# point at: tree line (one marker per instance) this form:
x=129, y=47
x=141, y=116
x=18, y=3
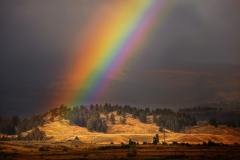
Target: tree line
x=229, y=123
x=36, y=134
x=223, y=115
x=197, y=109
x=174, y=121
x=90, y=118
x=14, y=125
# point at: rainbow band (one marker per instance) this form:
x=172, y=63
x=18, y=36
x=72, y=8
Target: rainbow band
x=108, y=44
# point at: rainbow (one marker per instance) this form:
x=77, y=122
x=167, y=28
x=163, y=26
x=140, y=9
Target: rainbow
x=107, y=43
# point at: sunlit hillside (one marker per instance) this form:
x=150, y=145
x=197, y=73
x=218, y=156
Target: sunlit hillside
x=60, y=130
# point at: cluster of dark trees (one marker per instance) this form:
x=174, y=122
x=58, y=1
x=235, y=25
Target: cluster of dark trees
x=223, y=116
x=35, y=134
x=229, y=123
x=27, y=124
x=90, y=116
x=213, y=122
x=82, y=116
x=14, y=125
x=198, y=109
x=7, y=124
x=174, y=121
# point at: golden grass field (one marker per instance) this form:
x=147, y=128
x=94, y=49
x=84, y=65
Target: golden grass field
x=73, y=149
x=62, y=144
x=140, y=132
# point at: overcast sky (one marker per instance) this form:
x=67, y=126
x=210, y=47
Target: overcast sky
x=192, y=58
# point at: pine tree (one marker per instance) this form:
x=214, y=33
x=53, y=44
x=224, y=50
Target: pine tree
x=112, y=118
x=156, y=139
x=104, y=126
x=123, y=118
x=143, y=118
x=213, y=122
x=134, y=114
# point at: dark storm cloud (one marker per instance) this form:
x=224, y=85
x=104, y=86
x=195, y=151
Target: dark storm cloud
x=35, y=41
x=198, y=31
x=191, y=58
x=179, y=87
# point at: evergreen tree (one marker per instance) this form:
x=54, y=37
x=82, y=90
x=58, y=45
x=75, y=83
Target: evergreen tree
x=154, y=118
x=213, y=122
x=104, y=126
x=107, y=117
x=15, y=120
x=123, y=118
x=119, y=111
x=147, y=111
x=156, y=139
x=142, y=117
x=36, y=134
x=112, y=118
x=194, y=121
x=134, y=114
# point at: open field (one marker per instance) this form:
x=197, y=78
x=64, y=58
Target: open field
x=96, y=145
x=140, y=132
x=77, y=150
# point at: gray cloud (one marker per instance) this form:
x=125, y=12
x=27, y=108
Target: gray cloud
x=192, y=57
x=198, y=31
x=177, y=88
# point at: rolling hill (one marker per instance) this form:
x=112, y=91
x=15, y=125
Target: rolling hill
x=60, y=130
